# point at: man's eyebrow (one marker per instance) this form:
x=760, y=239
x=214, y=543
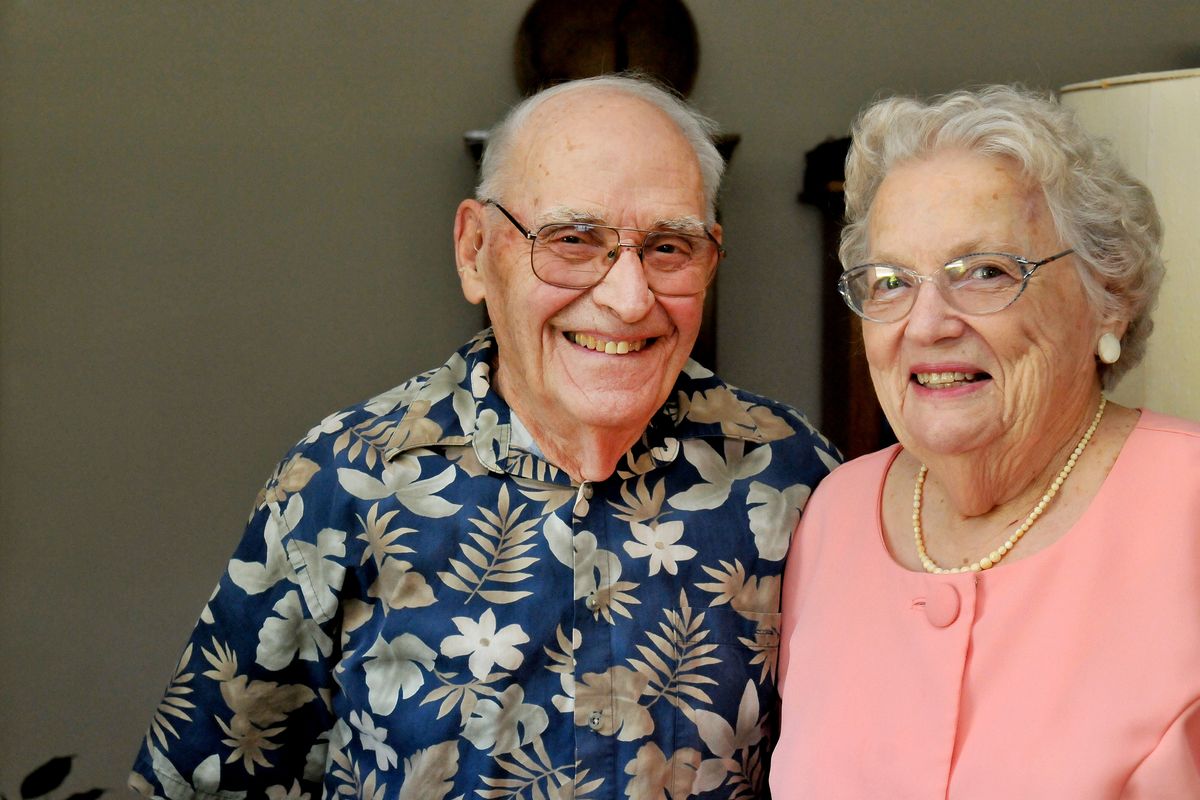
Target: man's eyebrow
x=561, y=214
x=691, y=225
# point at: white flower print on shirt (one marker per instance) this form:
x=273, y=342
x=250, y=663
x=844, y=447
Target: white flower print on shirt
x=657, y=541
x=485, y=644
x=372, y=737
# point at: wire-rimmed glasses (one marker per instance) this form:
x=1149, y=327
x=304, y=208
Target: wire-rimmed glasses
x=977, y=283
x=577, y=255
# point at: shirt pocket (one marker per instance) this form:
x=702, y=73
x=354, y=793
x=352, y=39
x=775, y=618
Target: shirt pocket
x=725, y=698
x=731, y=648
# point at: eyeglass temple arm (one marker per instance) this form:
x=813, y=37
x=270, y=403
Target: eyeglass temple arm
x=1032, y=267
x=720, y=249
x=512, y=219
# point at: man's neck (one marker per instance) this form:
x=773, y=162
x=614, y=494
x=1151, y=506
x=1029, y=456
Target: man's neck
x=585, y=453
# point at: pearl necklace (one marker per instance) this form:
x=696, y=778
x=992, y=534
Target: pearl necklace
x=993, y=558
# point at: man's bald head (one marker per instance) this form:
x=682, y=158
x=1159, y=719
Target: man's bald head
x=697, y=129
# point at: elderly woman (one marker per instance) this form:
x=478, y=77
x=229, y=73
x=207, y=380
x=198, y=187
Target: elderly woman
x=1007, y=603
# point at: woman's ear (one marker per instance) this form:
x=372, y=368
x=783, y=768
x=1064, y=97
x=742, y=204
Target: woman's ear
x=468, y=241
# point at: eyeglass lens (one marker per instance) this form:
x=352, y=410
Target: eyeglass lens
x=981, y=283
x=578, y=256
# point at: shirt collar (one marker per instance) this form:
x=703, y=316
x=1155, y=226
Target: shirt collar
x=454, y=406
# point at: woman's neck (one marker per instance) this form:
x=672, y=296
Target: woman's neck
x=971, y=505
x=999, y=480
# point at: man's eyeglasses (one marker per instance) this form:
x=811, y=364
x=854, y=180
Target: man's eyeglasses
x=977, y=283
x=577, y=255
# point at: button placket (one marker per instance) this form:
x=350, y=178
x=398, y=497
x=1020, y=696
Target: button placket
x=583, y=496
x=595, y=747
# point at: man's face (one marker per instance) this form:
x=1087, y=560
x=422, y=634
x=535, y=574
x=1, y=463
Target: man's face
x=604, y=157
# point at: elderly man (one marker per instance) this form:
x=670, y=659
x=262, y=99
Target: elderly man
x=550, y=567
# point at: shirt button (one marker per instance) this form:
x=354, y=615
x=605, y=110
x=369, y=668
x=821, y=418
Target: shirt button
x=941, y=605
x=588, y=491
x=590, y=602
x=594, y=720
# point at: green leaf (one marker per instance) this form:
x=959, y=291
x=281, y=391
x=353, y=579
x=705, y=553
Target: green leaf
x=46, y=778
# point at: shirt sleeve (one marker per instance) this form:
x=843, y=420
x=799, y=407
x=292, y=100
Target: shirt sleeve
x=1172, y=770
x=247, y=707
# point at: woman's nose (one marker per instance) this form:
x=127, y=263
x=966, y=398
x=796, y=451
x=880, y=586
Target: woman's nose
x=931, y=317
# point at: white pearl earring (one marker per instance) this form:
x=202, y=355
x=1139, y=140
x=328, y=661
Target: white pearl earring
x=1109, y=348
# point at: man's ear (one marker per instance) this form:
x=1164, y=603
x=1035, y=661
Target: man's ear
x=468, y=241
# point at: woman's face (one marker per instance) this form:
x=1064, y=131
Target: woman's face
x=954, y=383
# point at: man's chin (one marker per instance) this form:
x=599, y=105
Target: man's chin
x=614, y=409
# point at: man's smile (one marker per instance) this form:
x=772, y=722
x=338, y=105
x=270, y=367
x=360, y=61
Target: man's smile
x=609, y=346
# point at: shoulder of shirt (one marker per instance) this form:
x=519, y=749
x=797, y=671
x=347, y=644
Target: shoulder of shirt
x=1152, y=421
x=428, y=398
x=869, y=466
x=703, y=405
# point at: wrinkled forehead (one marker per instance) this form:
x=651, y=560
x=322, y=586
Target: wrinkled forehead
x=960, y=192
x=1001, y=176
x=592, y=142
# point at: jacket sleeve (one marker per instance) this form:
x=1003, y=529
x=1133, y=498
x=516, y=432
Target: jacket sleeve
x=1172, y=770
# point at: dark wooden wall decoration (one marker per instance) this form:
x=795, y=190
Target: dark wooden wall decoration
x=561, y=40
x=850, y=414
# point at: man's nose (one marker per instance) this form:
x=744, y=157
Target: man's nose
x=624, y=289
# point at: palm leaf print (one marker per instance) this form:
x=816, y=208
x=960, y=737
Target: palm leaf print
x=641, y=504
x=748, y=778
x=370, y=789
x=553, y=496
x=364, y=439
x=375, y=437
x=615, y=597
x=746, y=595
x=677, y=654
x=497, y=556
x=380, y=541
x=173, y=703
x=728, y=584
x=534, y=776
x=462, y=696
x=564, y=658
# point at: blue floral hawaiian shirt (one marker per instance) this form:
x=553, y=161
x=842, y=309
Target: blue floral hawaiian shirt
x=423, y=607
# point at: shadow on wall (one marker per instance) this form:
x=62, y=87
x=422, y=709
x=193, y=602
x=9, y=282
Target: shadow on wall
x=50, y=776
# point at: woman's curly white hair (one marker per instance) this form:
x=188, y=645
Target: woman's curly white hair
x=1099, y=209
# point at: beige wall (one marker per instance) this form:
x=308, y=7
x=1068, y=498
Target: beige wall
x=1153, y=122
x=221, y=220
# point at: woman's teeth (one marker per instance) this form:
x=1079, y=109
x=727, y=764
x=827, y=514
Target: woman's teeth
x=605, y=346
x=945, y=380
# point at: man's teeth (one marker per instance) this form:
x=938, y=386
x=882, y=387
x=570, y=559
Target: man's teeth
x=605, y=346
x=943, y=380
